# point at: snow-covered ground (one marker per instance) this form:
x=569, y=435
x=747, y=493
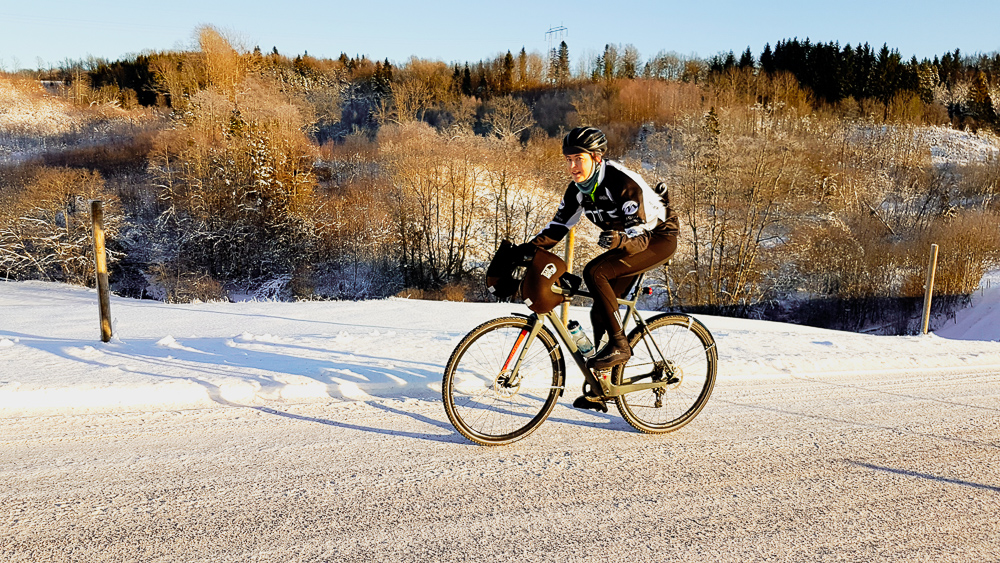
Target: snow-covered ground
x=273, y=354
x=34, y=122
x=949, y=146
x=25, y=108
x=981, y=321
x=816, y=445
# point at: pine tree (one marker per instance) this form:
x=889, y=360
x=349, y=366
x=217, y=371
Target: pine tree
x=609, y=61
x=382, y=77
x=980, y=101
x=824, y=71
x=506, y=85
x=559, y=66
x=848, y=71
x=951, y=69
x=767, y=59
x=730, y=61
x=467, y=81
x=483, y=87
x=864, y=72
x=927, y=78
x=888, y=74
x=522, y=68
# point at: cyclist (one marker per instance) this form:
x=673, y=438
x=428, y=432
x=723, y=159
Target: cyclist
x=639, y=232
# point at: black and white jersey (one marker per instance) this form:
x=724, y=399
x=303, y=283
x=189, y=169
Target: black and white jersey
x=621, y=201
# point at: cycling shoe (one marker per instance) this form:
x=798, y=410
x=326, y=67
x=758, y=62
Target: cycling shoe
x=588, y=402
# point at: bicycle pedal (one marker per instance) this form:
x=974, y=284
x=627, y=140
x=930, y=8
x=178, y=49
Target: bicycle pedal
x=591, y=403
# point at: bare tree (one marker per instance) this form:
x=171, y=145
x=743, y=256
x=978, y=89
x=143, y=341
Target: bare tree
x=226, y=68
x=508, y=117
x=434, y=195
x=409, y=99
x=732, y=185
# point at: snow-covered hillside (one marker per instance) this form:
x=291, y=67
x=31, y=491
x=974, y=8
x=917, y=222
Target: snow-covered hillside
x=25, y=108
x=34, y=122
x=270, y=353
x=949, y=146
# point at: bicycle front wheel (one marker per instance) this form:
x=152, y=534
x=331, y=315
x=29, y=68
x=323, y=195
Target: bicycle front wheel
x=485, y=400
x=679, y=349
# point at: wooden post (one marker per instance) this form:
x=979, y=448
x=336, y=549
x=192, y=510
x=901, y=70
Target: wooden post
x=570, y=241
x=929, y=290
x=101, y=263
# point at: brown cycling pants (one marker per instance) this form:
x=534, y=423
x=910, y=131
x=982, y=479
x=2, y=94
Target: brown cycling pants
x=611, y=274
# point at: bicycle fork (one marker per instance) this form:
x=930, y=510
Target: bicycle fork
x=510, y=375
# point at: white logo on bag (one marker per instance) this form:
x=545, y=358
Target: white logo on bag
x=549, y=270
x=630, y=207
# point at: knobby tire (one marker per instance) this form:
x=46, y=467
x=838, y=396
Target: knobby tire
x=688, y=349
x=478, y=403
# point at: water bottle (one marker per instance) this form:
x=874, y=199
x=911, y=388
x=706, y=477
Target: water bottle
x=583, y=343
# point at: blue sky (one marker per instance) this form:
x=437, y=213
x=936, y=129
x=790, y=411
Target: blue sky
x=46, y=32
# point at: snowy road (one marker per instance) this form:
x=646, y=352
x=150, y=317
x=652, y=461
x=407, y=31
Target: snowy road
x=887, y=467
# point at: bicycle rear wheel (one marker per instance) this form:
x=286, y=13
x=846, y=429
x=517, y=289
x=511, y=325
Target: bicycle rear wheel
x=684, y=353
x=485, y=401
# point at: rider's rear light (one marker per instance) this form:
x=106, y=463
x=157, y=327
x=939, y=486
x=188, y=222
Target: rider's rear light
x=647, y=291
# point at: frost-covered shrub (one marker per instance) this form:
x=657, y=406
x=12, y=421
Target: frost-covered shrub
x=176, y=285
x=450, y=201
x=968, y=245
x=46, y=228
x=237, y=183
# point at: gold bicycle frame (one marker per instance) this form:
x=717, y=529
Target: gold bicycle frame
x=600, y=380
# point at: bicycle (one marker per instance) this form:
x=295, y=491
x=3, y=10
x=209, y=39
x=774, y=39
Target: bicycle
x=504, y=377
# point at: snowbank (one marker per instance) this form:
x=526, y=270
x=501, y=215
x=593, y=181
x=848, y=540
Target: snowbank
x=269, y=353
x=981, y=321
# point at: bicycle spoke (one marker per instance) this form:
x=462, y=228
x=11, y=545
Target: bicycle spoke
x=688, y=362
x=489, y=405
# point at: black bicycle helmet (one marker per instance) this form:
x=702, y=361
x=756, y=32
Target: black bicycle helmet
x=585, y=140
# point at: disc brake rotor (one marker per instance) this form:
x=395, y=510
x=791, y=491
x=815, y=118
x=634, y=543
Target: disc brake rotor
x=503, y=388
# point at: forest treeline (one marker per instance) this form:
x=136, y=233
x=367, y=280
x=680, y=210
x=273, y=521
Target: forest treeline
x=803, y=175
x=954, y=88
